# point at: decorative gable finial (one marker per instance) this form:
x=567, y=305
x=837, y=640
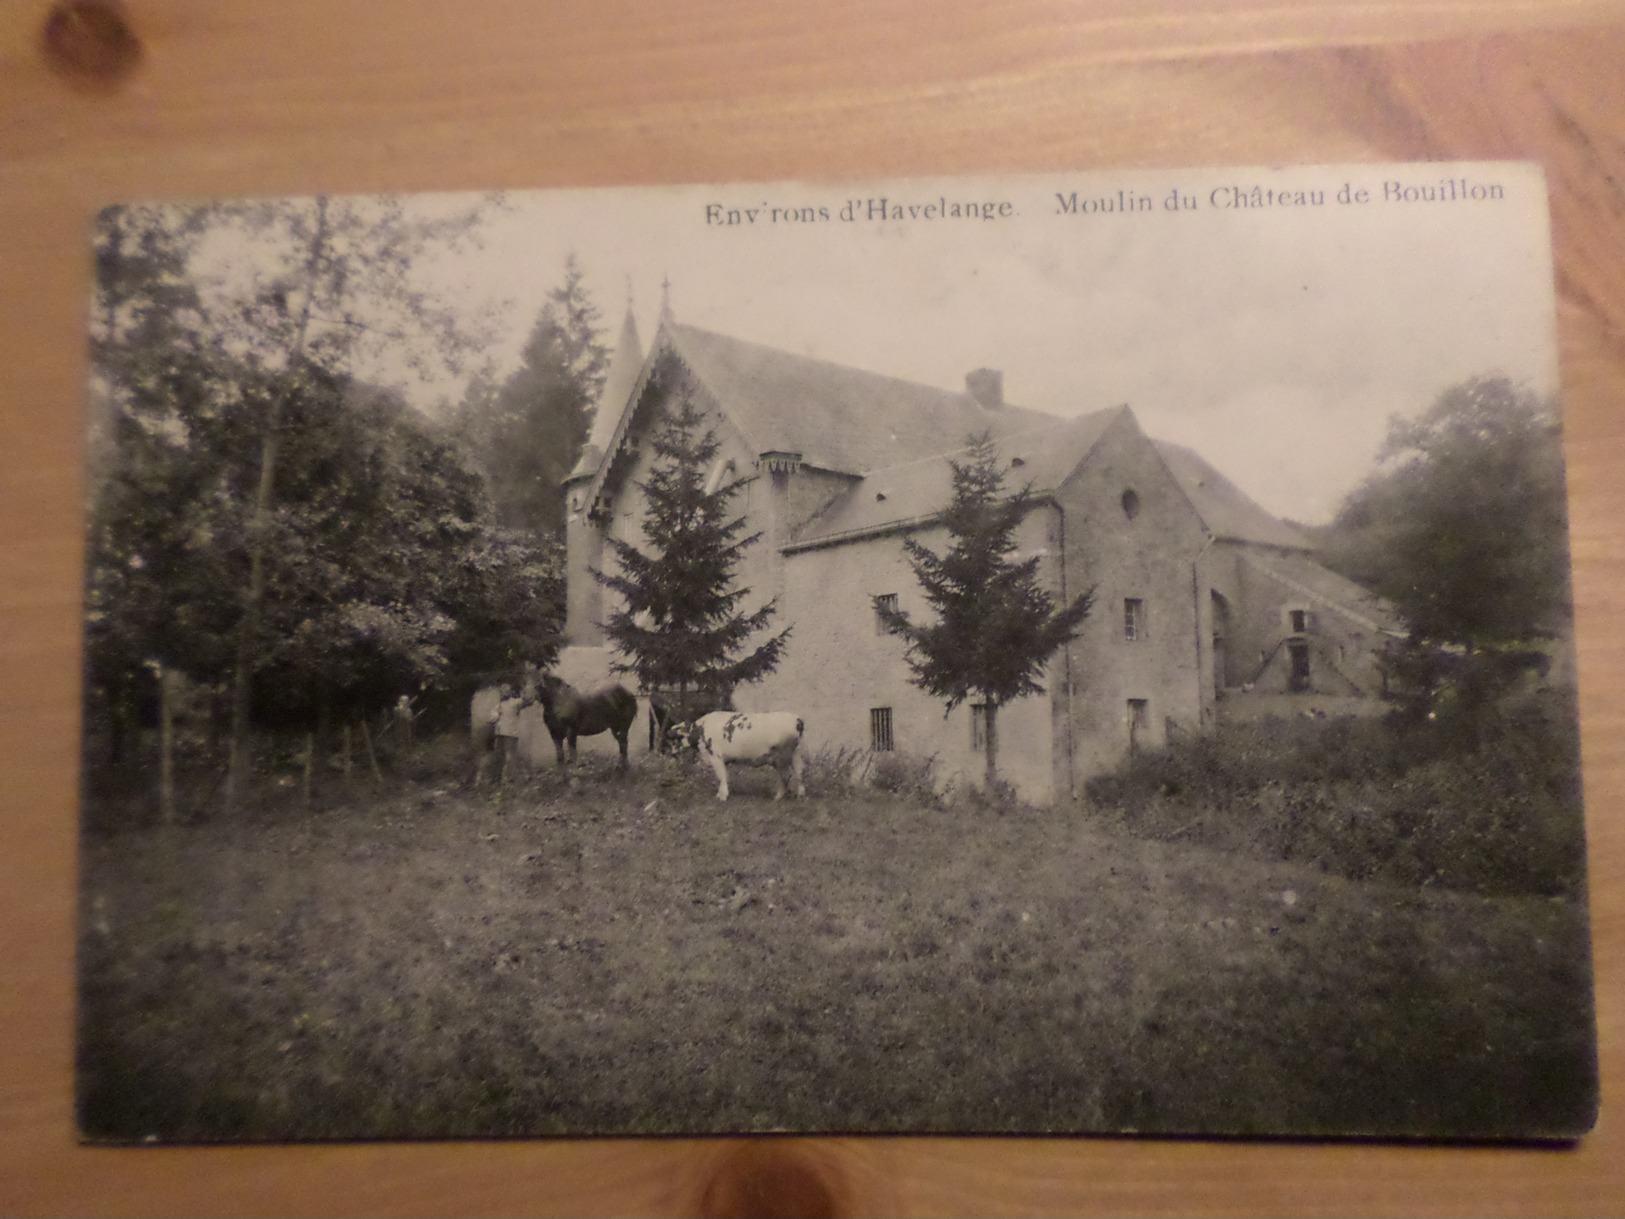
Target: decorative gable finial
x=665, y=298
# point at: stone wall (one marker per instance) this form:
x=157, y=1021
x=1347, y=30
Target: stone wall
x=1142, y=547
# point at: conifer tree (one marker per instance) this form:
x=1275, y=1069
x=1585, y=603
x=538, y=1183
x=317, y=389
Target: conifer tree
x=996, y=627
x=681, y=626
x=527, y=432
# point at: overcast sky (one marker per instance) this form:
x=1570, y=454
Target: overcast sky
x=1275, y=339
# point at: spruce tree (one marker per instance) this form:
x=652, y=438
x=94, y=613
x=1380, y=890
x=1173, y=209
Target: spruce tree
x=996, y=626
x=681, y=626
x=527, y=432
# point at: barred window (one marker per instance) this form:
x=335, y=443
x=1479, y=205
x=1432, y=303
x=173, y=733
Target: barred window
x=1134, y=619
x=880, y=738
x=884, y=602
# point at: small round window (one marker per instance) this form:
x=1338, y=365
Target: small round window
x=1131, y=504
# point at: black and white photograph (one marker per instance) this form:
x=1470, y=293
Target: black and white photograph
x=1065, y=654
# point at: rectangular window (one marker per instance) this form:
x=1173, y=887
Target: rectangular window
x=1299, y=621
x=1133, y=619
x=886, y=601
x=880, y=739
x=978, y=726
x=1139, y=718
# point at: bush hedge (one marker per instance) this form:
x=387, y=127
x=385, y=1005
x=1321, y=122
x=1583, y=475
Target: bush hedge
x=1494, y=810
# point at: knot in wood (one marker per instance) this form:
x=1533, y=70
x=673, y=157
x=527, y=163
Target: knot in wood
x=90, y=43
x=769, y=1180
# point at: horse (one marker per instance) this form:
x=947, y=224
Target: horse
x=568, y=713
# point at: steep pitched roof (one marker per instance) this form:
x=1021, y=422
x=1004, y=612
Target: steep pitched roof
x=1224, y=507
x=894, y=435
x=625, y=366
x=837, y=418
x=1323, y=587
x=1040, y=457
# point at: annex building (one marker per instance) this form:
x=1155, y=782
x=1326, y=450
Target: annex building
x=1206, y=607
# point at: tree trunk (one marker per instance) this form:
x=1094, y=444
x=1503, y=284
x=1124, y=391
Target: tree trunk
x=126, y=727
x=239, y=760
x=166, y=745
x=324, y=735
x=991, y=721
x=372, y=754
x=310, y=762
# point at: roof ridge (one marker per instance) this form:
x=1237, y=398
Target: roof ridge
x=1267, y=565
x=1223, y=505
x=1057, y=422
x=854, y=368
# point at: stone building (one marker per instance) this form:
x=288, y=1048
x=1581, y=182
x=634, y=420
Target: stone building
x=1205, y=606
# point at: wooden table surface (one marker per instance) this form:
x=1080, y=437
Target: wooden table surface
x=208, y=98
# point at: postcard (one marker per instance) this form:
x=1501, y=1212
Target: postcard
x=1078, y=653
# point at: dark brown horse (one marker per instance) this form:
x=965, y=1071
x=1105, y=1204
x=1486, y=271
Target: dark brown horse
x=569, y=713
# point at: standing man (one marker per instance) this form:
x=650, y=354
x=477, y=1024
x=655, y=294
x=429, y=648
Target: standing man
x=505, y=723
x=405, y=713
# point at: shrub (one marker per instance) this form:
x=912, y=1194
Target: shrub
x=905, y=775
x=1369, y=799
x=841, y=768
x=837, y=769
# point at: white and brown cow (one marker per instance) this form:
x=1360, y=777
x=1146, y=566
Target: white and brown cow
x=751, y=738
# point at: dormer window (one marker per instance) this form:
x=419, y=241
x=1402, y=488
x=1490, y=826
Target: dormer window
x=780, y=462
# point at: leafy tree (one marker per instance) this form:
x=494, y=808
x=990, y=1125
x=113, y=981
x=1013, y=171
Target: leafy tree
x=1464, y=527
x=681, y=626
x=356, y=591
x=996, y=626
x=378, y=564
x=330, y=280
x=512, y=607
x=527, y=433
x=1464, y=530
x=383, y=575
x=156, y=600
x=384, y=571
x=147, y=310
x=160, y=598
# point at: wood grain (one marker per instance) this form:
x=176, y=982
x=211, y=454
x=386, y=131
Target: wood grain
x=232, y=98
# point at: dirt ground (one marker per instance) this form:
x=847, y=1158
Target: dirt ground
x=609, y=954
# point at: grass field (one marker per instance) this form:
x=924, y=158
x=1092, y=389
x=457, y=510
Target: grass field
x=625, y=954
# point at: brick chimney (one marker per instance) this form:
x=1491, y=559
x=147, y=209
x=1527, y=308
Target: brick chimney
x=986, y=385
